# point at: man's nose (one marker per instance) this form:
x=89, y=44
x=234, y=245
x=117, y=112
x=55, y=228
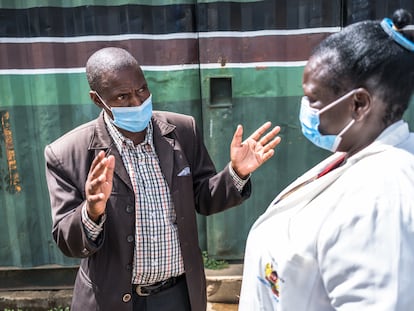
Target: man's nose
x=135, y=100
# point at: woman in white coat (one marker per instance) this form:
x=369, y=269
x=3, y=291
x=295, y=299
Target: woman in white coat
x=341, y=237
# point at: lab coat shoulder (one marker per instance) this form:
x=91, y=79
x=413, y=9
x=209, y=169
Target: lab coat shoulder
x=373, y=217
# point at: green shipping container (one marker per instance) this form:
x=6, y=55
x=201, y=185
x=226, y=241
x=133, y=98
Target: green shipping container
x=224, y=62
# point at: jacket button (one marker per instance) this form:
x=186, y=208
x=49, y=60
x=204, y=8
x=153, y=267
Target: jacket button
x=126, y=298
x=129, y=209
x=130, y=238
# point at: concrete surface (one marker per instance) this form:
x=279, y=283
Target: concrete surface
x=223, y=289
x=221, y=307
x=35, y=300
x=223, y=286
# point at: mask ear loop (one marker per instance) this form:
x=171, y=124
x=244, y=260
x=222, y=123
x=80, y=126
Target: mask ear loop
x=338, y=141
x=337, y=101
x=102, y=101
x=346, y=128
x=393, y=32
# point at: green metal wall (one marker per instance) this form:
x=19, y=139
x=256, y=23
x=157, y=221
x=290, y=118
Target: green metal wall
x=224, y=62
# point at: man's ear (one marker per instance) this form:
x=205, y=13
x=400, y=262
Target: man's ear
x=98, y=101
x=362, y=104
x=95, y=99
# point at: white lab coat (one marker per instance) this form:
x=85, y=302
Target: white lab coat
x=342, y=242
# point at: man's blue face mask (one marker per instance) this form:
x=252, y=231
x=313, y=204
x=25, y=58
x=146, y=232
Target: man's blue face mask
x=132, y=119
x=309, y=120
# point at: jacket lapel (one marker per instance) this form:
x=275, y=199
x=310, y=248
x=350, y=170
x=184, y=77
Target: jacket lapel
x=164, y=147
x=102, y=141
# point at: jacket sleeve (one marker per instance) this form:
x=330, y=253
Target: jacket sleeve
x=66, y=199
x=214, y=192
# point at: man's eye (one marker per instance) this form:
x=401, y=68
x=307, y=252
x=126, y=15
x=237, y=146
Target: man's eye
x=142, y=90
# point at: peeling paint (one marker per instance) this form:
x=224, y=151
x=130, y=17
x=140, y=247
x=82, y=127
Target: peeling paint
x=9, y=179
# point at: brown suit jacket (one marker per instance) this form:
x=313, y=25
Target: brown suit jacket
x=104, y=277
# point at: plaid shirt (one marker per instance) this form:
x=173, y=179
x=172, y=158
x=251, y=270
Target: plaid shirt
x=157, y=253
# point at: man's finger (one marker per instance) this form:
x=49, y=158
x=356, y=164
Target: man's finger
x=237, y=137
x=97, y=182
x=267, y=155
x=260, y=131
x=95, y=198
x=97, y=160
x=272, y=144
x=269, y=136
x=109, y=171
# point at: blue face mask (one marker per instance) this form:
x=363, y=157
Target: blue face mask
x=309, y=120
x=132, y=119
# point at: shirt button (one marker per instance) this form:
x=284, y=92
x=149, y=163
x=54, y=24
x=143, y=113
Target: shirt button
x=130, y=238
x=126, y=298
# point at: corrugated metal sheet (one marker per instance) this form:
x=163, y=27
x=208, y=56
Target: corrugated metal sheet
x=224, y=62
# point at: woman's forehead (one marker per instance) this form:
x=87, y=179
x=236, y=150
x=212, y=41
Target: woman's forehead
x=318, y=67
x=317, y=79
x=315, y=73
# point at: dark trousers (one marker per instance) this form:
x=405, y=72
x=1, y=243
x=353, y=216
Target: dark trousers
x=172, y=299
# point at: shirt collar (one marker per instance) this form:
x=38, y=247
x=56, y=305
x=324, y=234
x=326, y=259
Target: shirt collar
x=120, y=139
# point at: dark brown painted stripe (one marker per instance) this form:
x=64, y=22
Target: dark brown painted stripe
x=284, y=48
x=277, y=48
x=75, y=55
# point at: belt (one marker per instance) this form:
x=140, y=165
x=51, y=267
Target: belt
x=147, y=290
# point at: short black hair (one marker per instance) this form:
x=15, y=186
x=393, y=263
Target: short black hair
x=364, y=55
x=108, y=59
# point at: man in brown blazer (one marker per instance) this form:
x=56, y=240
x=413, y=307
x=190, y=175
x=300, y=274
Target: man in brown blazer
x=124, y=189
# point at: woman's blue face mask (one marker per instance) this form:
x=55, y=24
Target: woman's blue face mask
x=309, y=120
x=132, y=119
